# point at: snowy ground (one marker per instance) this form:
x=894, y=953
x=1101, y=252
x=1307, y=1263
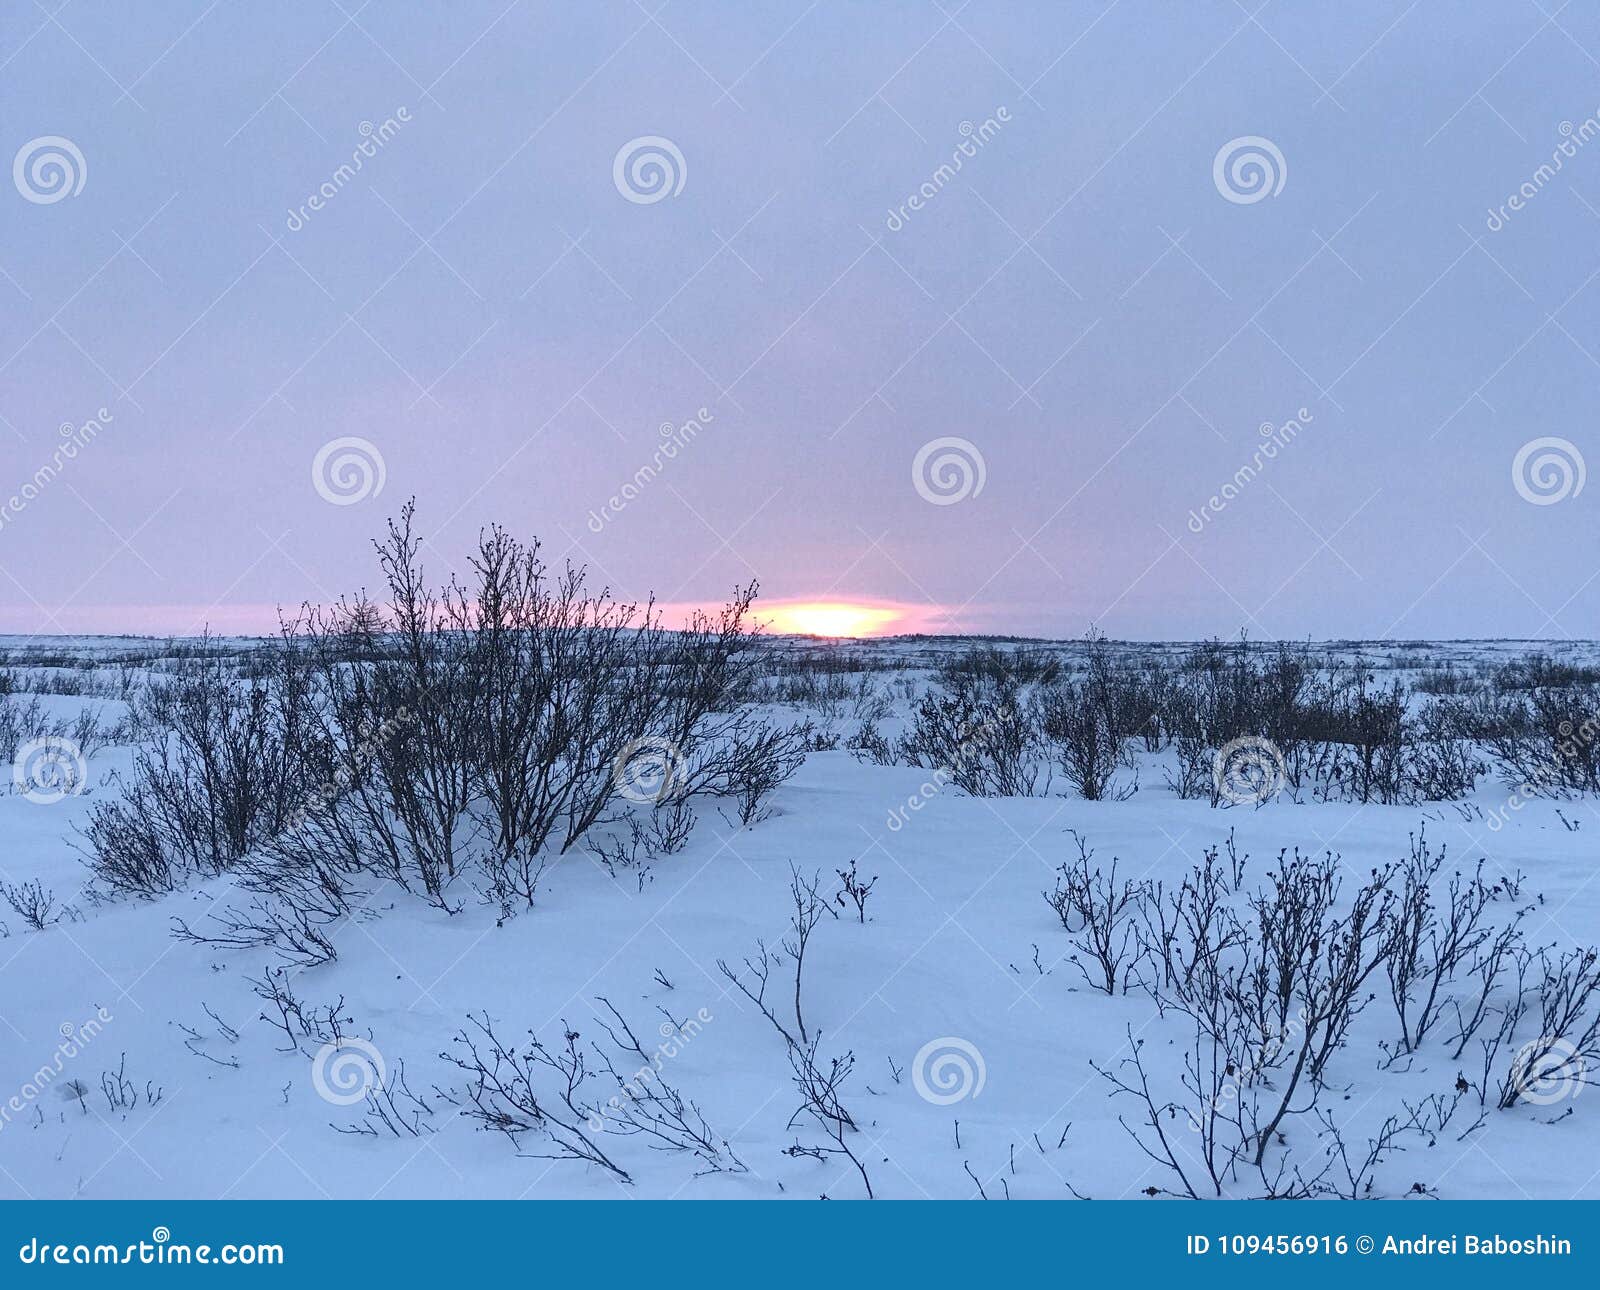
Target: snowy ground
x=958, y=945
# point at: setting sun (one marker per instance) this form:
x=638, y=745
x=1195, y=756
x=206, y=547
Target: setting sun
x=830, y=618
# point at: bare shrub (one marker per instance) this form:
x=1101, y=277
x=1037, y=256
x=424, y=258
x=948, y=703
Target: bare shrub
x=1503, y=954
x=219, y=773
x=33, y=903
x=1271, y=997
x=125, y=842
x=504, y=1091
x=1003, y=668
x=1316, y=965
x=427, y=765
x=869, y=745
x=855, y=888
x=649, y=1106
x=290, y=926
x=390, y=1107
x=1103, y=910
x=1367, y=760
x=1191, y=932
x=820, y=1081
x=1544, y=740
x=757, y=763
x=123, y=1094
x=1158, y=1134
x=544, y=1093
x=1082, y=721
x=1193, y=776
x=1351, y=1172
x=306, y=1027
x=451, y=726
x=1444, y=765
x=1430, y=944
x=1563, y=1057
x=983, y=734
x=669, y=827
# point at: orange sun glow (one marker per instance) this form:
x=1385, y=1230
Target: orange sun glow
x=829, y=618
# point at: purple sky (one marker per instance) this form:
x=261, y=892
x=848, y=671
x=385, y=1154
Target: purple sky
x=1101, y=316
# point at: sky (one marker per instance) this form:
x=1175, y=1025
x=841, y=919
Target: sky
x=699, y=293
